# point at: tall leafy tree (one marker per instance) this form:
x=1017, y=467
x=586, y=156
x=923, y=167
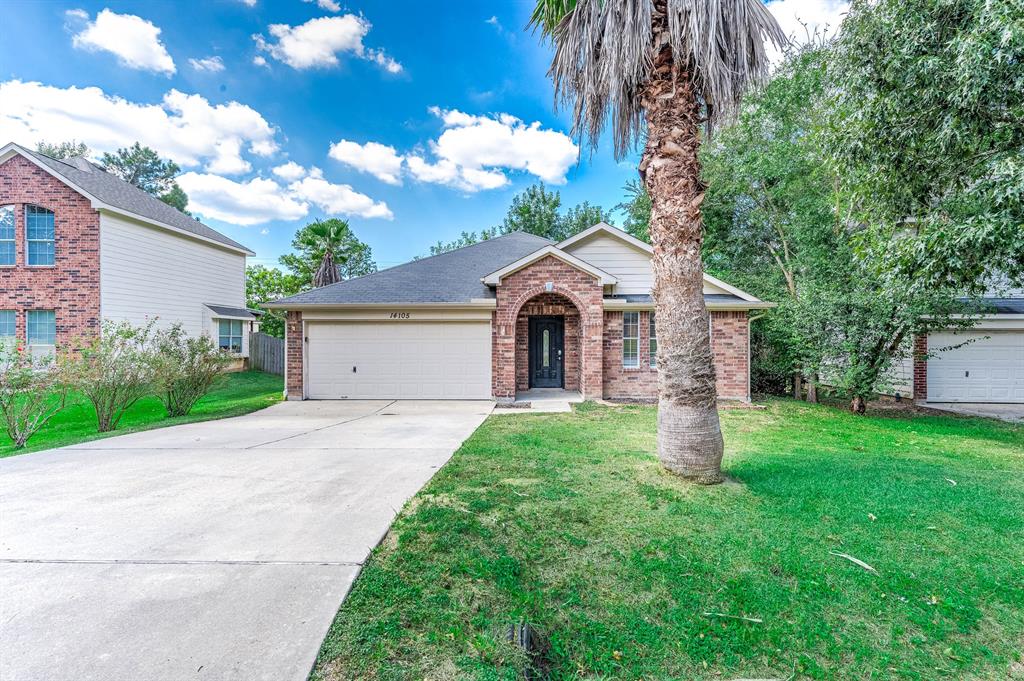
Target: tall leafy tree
x=637, y=208
x=143, y=167
x=327, y=240
x=535, y=210
x=926, y=132
x=659, y=70
x=264, y=284
x=62, y=150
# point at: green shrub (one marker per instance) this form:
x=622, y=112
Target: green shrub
x=32, y=390
x=185, y=368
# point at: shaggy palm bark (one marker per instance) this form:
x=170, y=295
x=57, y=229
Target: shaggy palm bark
x=327, y=273
x=689, y=436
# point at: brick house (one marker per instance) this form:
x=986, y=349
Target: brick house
x=78, y=245
x=501, y=317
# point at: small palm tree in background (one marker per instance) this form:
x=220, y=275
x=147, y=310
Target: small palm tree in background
x=659, y=70
x=327, y=237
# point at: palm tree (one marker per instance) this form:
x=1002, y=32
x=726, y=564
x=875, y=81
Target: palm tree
x=327, y=236
x=659, y=69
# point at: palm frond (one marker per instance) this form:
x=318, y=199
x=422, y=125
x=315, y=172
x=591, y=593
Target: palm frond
x=604, y=55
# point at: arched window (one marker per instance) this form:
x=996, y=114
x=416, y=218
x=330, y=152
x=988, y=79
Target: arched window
x=39, y=235
x=7, y=248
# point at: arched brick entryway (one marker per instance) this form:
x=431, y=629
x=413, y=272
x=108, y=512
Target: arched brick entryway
x=553, y=285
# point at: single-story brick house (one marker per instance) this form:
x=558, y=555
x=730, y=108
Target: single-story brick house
x=502, y=316
x=79, y=245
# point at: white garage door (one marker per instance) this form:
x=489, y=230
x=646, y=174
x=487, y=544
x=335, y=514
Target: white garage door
x=987, y=370
x=399, y=360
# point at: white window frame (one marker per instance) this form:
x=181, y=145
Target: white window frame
x=29, y=241
x=652, y=341
x=230, y=335
x=37, y=348
x=631, y=319
x=11, y=337
x=13, y=241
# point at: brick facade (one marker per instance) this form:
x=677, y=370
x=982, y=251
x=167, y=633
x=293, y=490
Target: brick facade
x=921, y=367
x=728, y=345
x=549, y=305
x=71, y=286
x=294, y=343
x=583, y=291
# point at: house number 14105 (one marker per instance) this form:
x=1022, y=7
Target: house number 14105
x=399, y=315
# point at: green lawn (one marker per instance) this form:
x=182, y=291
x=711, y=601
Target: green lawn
x=567, y=522
x=239, y=393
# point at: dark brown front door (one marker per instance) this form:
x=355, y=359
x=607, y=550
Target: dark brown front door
x=547, y=350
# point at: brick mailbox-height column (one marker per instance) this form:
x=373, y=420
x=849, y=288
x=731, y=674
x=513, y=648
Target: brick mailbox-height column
x=294, y=344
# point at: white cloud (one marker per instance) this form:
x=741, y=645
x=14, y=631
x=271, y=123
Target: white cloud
x=318, y=42
x=474, y=152
x=248, y=3
x=339, y=199
x=379, y=160
x=289, y=171
x=328, y=5
x=135, y=41
x=258, y=60
x=185, y=128
x=242, y=203
x=816, y=14
x=211, y=64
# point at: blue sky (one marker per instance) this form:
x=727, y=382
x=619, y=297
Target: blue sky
x=413, y=121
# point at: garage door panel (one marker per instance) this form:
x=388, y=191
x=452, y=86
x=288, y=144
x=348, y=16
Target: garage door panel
x=988, y=369
x=414, y=360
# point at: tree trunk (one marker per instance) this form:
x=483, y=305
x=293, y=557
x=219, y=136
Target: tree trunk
x=798, y=380
x=812, y=389
x=689, y=436
x=327, y=273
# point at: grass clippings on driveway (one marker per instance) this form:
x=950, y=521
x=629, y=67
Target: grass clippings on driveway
x=238, y=393
x=568, y=522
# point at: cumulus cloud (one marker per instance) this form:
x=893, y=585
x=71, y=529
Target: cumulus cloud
x=328, y=5
x=185, y=128
x=135, y=41
x=792, y=15
x=318, y=42
x=242, y=203
x=474, y=152
x=379, y=160
x=289, y=171
x=211, y=64
x=338, y=199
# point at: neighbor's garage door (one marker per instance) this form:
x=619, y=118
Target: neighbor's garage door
x=987, y=370
x=399, y=360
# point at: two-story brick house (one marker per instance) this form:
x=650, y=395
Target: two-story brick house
x=78, y=245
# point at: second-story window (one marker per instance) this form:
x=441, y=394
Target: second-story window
x=39, y=235
x=7, y=249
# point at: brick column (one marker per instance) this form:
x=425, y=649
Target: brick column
x=921, y=367
x=592, y=342
x=294, y=344
x=503, y=357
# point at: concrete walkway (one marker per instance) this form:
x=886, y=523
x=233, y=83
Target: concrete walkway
x=542, y=400
x=217, y=550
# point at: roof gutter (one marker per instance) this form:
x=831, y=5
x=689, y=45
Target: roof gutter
x=476, y=304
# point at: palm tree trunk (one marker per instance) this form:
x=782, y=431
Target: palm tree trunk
x=689, y=436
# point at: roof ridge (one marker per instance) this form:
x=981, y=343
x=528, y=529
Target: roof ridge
x=431, y=257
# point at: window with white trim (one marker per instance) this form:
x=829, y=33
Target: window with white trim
x=41, y=328
x=652, y=343
x=39, y=235
x=7, y=247
x=8, y=324
x=630, y=339
x=230, y=334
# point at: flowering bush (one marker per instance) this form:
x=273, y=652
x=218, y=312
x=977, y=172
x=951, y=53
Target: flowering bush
x=32, y=390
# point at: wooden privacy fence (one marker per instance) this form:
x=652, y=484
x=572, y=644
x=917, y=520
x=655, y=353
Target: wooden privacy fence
x=266, y=353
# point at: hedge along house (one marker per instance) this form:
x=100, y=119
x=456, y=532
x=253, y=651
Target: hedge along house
x=503, y=316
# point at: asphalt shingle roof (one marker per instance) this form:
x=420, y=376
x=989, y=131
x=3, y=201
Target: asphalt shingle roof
x=227, y=311
x=114, y=191
x=452, y=277
x=1003, y=305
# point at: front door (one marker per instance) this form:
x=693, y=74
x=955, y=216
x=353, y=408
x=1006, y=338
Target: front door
x=547, y=341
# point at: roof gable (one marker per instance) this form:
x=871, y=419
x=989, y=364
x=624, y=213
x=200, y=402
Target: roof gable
x=494, y=278
x=111, y=193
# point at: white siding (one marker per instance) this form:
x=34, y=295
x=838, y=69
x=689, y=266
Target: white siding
x=631, y=266
x=147, y=272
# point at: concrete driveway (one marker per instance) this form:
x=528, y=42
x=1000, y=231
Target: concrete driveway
x=1014, y=413
x=217, y=550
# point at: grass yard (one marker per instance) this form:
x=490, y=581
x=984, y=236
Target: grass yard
x=239, y=393
x=566, y=521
